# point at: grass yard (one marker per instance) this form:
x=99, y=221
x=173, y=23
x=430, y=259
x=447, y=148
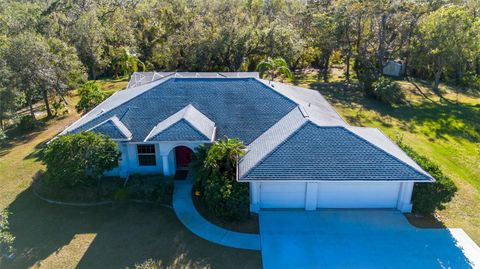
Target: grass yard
x=112, y=236
x=448, y=133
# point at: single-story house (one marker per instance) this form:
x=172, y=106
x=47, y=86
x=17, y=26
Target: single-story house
x=300, y=152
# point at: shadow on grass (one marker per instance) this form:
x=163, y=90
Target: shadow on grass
x=124, y=234
x=454, y=119
x=17, y=137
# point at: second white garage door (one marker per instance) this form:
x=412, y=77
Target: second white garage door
x=330, y=194
x=358, y=194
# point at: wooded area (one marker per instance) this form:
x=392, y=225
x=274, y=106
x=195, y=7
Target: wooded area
x=50, y=47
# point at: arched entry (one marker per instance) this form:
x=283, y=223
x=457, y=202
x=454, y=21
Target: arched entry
x=183, y=157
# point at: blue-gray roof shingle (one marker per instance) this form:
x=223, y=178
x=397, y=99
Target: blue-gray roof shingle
x=113, y=128
x=180, y=131
x=240, y=107
x=328, y=153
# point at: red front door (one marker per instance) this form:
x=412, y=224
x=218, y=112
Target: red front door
x=183, y=156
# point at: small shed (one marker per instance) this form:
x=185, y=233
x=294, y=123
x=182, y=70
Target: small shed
x=394, y=68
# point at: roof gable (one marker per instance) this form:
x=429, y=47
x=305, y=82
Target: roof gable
x=240, y=107
x=188, y=124
x=328, y=153
x=113, y=128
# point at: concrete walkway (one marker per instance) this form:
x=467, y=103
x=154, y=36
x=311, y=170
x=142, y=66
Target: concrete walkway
x=188, y=215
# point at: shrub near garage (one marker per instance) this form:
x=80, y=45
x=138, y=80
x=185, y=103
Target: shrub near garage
x=79, y=159
x=226, y=198
x=214, y=170
x=428, y=197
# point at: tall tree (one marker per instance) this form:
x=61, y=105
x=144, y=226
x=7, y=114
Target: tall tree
x=445, y=43
x=89, y=39
x=27, y=58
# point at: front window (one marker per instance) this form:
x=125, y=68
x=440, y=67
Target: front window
x=146, y=155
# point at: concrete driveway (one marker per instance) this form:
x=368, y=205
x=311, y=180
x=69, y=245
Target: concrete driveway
x=360, y=239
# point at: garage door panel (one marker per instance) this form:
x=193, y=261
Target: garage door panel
x=358, y=195
x=282, y=195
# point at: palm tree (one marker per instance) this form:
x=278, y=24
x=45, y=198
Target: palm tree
x=274, y=68
x=217, y=159
x=126, y=63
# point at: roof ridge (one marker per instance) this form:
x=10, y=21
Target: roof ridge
x=187, y=115
x=384, y=151
x=118, y=124
x=276, y=148
x=297, y=108
x=103, y=111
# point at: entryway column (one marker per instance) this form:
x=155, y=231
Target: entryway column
x=311, y=196
x=166, y=165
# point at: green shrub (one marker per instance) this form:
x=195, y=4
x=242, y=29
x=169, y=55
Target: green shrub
x=27, y=123
x=90, y=96
x=79, y=159
x=3, y=135
x=59, y=108
x=428, y=197
x=154, y=188
x=6, y=238
x=226, y=198
x=214, y=172
x=388, y=91
x=120, y=194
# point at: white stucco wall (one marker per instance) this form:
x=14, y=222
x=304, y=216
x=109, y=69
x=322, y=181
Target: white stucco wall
x=164, y=155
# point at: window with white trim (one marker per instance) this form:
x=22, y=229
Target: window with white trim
x=146, y=155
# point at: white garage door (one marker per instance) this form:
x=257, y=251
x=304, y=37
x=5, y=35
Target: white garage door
x=282, y=195
x=358, y=194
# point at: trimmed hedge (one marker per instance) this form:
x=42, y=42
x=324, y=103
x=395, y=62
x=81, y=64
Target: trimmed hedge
x=428, y=197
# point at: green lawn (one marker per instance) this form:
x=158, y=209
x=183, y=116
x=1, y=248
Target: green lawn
x=112, y=236
x=448, y=133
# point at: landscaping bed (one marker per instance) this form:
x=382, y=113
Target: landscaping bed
x=144, y=188
x=248, y=225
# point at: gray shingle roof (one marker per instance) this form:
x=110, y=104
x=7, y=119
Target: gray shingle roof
x=312, y=102
x=113, y=128
x=292, y=133
x=315, y=153
x=272, y=138
x=141, y=78
x=240, y=107
x=188, y=124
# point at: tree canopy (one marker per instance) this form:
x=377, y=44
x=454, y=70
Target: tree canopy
x=48, y=47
